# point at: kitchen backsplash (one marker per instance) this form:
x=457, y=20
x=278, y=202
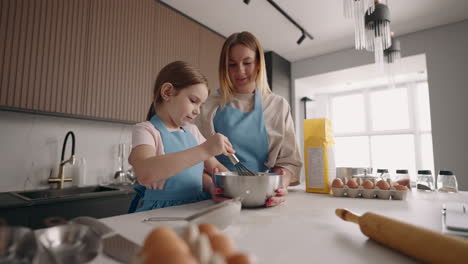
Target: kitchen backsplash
x=31, y=145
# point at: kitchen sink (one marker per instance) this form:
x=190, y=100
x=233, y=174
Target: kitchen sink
x=66, y=192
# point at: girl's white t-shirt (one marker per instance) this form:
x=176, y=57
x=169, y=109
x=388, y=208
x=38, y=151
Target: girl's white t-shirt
x=146, y=134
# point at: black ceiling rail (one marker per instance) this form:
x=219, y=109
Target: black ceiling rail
x=303, y=31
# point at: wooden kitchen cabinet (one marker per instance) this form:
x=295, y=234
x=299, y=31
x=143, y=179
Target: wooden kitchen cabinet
x=42, y=51
x=95, y=59
x=210, y=49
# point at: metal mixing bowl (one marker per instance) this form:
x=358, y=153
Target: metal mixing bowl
x=70, y=243
x=253, y=190
x=17, y=245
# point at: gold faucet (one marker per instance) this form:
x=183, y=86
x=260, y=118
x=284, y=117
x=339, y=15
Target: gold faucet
x=60, y=180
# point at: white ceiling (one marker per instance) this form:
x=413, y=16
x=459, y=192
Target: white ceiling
x=322, y=19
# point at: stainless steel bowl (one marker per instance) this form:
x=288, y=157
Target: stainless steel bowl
x=17, y=245
x=254, y=191
x=70, y=243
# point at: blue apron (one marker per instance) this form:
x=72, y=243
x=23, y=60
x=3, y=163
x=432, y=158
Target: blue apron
x=185, y=187
x=247, y=133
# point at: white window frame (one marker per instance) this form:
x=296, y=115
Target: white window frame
x=414, y=127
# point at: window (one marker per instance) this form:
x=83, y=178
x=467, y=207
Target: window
x=383, y=128
x=349, y=113
x=389, y=109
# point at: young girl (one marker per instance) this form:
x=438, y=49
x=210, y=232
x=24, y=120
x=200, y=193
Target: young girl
x=169, y=154
x=246, y=103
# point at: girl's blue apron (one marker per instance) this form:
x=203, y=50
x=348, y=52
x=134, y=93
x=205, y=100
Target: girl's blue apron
x=247, y=133
x=185, y=187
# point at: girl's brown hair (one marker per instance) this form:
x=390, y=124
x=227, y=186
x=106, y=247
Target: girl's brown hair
x=178, y=73
x=247, y=39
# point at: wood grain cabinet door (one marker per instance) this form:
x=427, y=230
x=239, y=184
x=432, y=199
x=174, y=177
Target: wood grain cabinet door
x=95, y=58
x=42, y=54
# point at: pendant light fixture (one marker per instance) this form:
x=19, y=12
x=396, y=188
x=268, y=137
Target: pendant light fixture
x=392, y=57
x=355, y=9
x=392, y=54
x=377, y=26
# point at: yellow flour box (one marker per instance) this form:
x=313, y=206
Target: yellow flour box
x=319, y=156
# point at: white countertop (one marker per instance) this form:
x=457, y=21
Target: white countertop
x=305, y=229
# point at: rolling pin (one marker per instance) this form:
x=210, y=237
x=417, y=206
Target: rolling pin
x=419, y=243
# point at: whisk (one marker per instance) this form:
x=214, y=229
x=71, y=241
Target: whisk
x=241, y=169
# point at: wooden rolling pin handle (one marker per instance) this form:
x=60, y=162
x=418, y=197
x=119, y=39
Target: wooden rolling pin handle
x=422, y=244
x=347, y=215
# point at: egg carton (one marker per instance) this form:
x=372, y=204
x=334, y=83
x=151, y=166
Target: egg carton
x=200, y=244
x=374, y=193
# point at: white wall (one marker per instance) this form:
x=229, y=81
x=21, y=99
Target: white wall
x=446, y=53
x=30, y=145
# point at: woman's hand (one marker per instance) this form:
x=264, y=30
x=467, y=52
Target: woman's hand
x=282, y=191
x=218, y=144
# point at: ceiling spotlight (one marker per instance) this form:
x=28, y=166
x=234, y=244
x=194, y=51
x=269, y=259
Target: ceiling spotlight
x=299, y=41
x=246, y=2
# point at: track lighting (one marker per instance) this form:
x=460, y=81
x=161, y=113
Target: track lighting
x=299, y=41
x=304, y=33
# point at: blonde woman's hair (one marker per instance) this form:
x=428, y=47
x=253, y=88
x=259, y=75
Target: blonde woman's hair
x=247, y=39
x=178, y=73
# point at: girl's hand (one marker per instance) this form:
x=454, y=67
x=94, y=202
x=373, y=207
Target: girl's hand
x=218, y=144
x=216, y=193
x=280, y=192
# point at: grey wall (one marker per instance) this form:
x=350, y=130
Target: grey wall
x=446, y=49
x=31, y=145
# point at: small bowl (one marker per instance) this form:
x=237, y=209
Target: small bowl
x=70, y=243
x=17, y=245
x=253, y=191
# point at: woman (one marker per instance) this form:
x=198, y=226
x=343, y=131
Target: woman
x=257, y=122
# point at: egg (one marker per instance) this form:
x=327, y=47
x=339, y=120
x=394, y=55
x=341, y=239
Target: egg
x=239, y=258
x=404, y=182
x=367, y=184
x=163, y=241
x=337, y=183
x=191, y=234
x=383, y=185
x=208, y=229
x=352, y=183
x=217, y=258
x=171, y=259
x=401, y=188
x=391, y=183
x=222, y=244
x=202, y=249
x=345, y=180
